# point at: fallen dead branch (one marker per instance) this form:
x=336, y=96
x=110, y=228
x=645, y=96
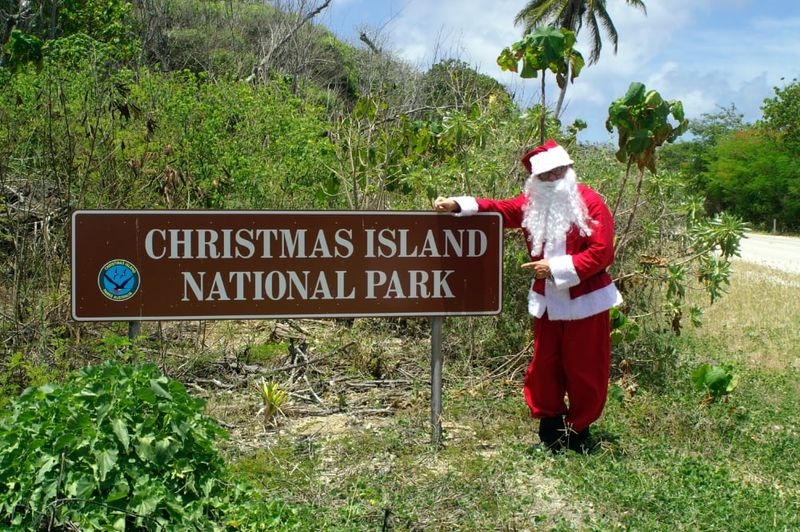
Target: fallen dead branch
x=378, y=384
x=255, y=368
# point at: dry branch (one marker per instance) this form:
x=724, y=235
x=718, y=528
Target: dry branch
x=267, y=59
x=366, y=40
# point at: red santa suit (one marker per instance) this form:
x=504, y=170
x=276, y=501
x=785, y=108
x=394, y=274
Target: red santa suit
x=571, y=332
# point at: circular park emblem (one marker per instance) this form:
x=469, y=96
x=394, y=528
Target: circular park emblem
x=118, y=280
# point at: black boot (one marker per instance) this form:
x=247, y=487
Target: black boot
x=551, y=433
x=578, y=441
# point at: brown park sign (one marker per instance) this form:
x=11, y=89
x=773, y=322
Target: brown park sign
x=173, y=265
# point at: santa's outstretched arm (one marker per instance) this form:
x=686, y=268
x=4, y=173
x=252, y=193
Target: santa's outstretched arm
x=510, y=209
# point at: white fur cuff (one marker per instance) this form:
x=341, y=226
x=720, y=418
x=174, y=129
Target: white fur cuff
x=563, y=270
x=468, y=205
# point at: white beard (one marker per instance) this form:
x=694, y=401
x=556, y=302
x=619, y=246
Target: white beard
x=552, y=209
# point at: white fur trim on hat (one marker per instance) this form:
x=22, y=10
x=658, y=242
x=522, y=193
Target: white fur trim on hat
x=547, y=160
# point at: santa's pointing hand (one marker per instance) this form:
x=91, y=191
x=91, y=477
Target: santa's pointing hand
x=541, y=268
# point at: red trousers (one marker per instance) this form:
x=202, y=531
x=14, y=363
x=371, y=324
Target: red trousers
x=572, y=357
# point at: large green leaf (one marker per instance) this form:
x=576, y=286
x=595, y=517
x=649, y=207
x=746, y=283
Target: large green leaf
x=82, y=487
x=550, y=43
x=144, y=504
x=528, y=69
x=682, y=128
x=106, y=460
x=144, y=448
x=677, y=110
x=155, y=385
x=145, y=394
x=165, y=449
x=640, y=141
x=121, y=431
x=635, y=94
x=46, y=464
x=653, y=99
x=119, y=490
x=576, y=63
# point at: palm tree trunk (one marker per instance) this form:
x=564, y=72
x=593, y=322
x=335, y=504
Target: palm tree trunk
x=562, y=93
x=542, y=123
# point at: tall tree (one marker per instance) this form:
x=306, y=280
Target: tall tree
x=542, y=50
x=782, y=115
x=572, y=15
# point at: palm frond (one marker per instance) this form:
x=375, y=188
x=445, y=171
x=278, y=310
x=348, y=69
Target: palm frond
x=530, y=11
x=573, y=18
x=608, y=25
x=594, y=33
x=537, y=13
x=638, y=4
x=573, y=15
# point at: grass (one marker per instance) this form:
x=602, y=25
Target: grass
x=693, y=466
x=756, y=322
x=665, y=459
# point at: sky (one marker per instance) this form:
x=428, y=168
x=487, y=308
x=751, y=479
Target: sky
x=706, y=53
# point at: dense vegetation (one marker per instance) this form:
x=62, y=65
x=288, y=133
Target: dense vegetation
x=211, y=104
x=118, y=446
x=752, y=170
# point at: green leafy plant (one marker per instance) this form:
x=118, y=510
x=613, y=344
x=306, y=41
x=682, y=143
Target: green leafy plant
x=115, y=446
x=642, y=121
x=274, y=397
x=544, y=49
x=716, y=381
x=22, y=48
x=622, y=328
x=697, y=246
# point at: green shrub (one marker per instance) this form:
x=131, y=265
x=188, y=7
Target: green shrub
x=136, y=139
x=755, y=177
x=715, y=381
x=118, y=446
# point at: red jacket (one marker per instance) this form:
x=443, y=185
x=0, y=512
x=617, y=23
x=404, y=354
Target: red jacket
x=580, y=285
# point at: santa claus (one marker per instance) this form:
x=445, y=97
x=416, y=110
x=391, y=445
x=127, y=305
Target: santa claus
x=570, y=235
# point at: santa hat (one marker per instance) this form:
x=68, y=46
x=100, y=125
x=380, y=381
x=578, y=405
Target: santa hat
x=544, y=158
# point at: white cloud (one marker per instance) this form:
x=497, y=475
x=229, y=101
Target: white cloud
x=468, y=28
x=706, y=53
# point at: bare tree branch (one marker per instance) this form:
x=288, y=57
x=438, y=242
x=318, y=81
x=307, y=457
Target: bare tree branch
x=366, y=40
x=261, y=67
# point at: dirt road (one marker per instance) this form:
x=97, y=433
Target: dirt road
x=779, y=252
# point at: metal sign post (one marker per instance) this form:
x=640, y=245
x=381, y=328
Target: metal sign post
x=134, y=330
x=436, y=380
